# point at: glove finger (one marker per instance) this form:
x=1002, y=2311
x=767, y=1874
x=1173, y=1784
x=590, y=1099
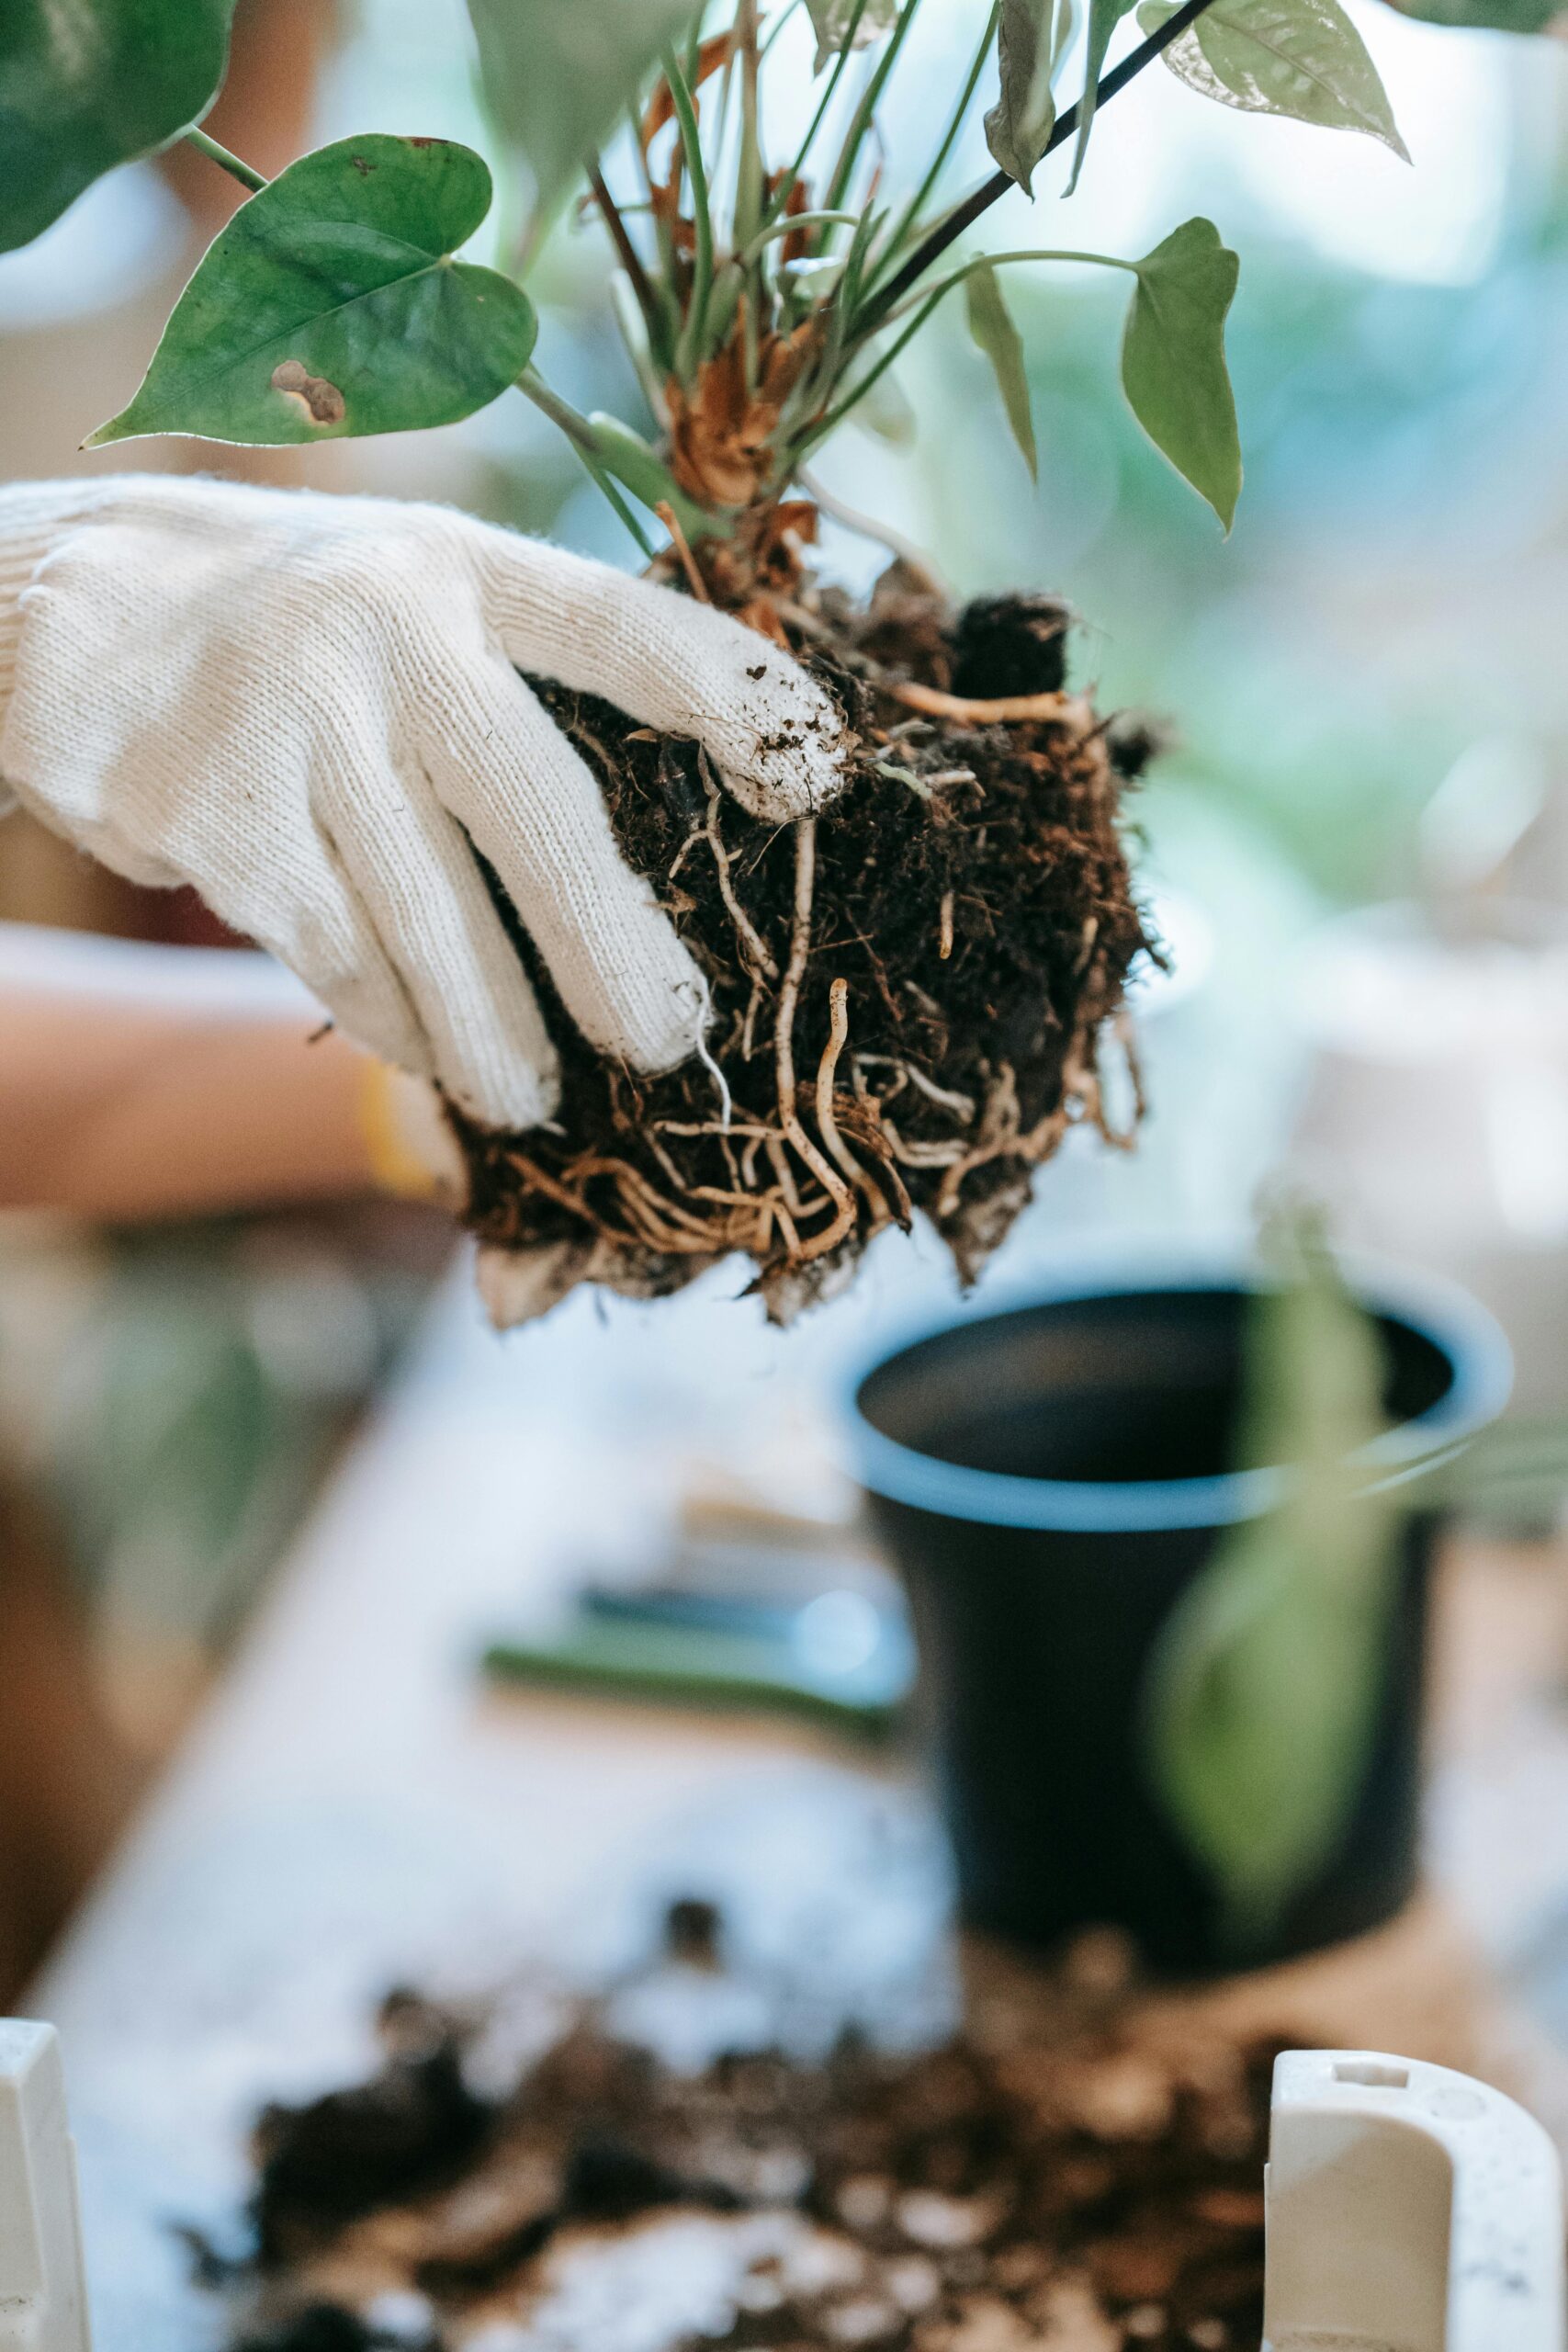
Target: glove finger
x=292, y=898
x=515, y=784
x=484, y=1035
x=776, y=736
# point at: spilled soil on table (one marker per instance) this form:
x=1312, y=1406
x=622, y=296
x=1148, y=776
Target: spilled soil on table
x=1058, y=2178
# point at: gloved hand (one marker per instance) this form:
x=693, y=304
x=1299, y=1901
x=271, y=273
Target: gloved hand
x=308, y=708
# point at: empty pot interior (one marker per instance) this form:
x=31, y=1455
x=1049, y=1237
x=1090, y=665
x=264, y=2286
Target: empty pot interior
x=1140, y=1384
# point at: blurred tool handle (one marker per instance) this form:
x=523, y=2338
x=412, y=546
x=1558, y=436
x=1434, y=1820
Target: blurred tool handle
x=1409, y=2208
x=43, y=2304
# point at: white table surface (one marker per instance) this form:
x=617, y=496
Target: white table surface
x=356, y=1811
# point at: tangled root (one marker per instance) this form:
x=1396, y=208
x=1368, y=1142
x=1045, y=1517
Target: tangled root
x=910, y=992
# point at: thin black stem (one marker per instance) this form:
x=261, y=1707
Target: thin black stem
x=242, y=171
x=964, y=216
x=630, y=259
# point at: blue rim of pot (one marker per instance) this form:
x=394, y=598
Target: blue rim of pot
x=1436, y=1310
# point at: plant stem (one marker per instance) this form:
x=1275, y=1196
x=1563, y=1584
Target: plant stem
x=997, y=261
x=631, y=260
x=917, y=203
x=869, y=527
x=603, y=483
x=785, y=188
x=580, y=433
x=860, y=123
x=835, y=416
x=786, y=226
x=689, y=349
x=571, y=421
x=751, y=176
x=247, y=178
x=923, y=304
x=965, y=215
x=780, y=21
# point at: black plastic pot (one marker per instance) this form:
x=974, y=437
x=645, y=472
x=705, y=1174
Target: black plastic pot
x=1049, y=1480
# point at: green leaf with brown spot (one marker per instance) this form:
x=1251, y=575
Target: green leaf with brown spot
x=1303, y=59
x=89, y=84
x=1173, y=360
x=332, y=305
x=990, y=323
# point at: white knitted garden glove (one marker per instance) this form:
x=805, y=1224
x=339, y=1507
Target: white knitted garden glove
x=308, y=708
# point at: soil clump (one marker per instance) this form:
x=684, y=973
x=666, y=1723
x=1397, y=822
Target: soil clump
x=910, y=994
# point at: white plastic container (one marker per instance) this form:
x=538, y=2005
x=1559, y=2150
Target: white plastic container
x=1409, y=2209
x=43, y=2299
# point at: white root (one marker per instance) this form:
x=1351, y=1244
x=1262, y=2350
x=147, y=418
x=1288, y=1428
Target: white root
x=970, y=712
x=961, y=1105
x=920, y=1155
x=827, y=1069
x=752, y=943
x=823, y=1169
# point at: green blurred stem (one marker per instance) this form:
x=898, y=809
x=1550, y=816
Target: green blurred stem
x=580, y=433
x=751, y=173
x=661, y=221
x=841, y=308
x=780, y=21
x=604, y=483
x=843, y=171
x=1001, y=261
x=688, y=351
x=232, y=164
x=786, y=226
x=964, y=216
x=921, y=197
x=630, y=259
x=786, y=185
x=923, y=305
x=836, y=417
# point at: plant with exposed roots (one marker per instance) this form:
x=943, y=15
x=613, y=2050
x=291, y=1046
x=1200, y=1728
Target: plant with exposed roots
x=910, y=993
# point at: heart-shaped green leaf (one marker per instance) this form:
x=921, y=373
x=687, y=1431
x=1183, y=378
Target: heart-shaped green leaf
x=558, y=75
x=88, y=86
x=1029, y=37
x=990, y=323
x=332, y=305
x=1263, y=1694
x=1301, y=58
x=1173, y=360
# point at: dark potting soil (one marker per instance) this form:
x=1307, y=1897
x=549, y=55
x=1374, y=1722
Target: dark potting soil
x=960, y=925
x=1057, y=2178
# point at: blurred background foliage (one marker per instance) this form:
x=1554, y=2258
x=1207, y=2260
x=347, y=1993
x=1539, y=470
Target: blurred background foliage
x=1394, y=593
x=1397, y=347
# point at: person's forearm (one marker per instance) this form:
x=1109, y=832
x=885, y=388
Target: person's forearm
x=133, y=1113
